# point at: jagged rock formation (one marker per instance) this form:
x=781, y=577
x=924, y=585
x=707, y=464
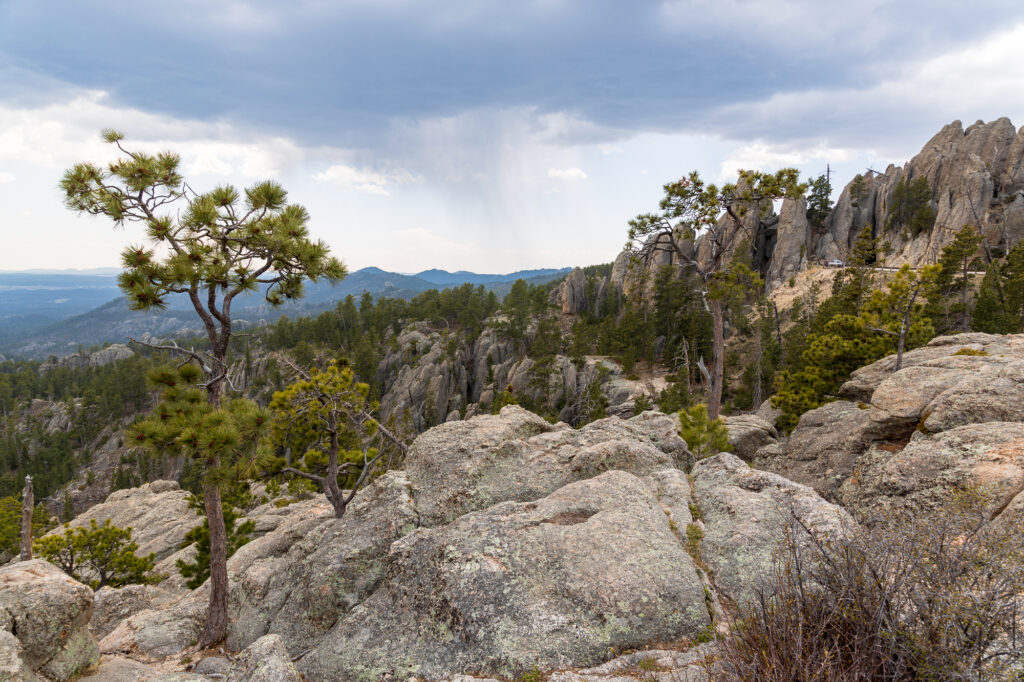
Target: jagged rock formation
x=434, y=377
x=105, y=356
x=953, y=414
x=976, y=177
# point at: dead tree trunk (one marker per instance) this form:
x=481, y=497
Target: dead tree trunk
x=27, y=504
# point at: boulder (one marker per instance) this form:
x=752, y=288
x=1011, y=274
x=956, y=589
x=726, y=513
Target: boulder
x=746, y=515
x=112, y=605
x=13, y=667
x=930, y=468
x=158, y=514
x=48, y=612
x=463, y=466
x=556, y=582
x=748, y=433
x=265, y=660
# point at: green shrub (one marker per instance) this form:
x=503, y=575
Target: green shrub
x=704, y=436
x=98, y=555
x=971, y=352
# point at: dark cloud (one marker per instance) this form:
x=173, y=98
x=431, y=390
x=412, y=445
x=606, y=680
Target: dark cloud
x=344, y=72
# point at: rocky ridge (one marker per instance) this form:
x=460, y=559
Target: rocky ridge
x=976, y=176
x=900, y=440
x=508, y=543
x=435, y=377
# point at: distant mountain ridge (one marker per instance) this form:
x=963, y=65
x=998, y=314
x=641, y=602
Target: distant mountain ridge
x=53, y=312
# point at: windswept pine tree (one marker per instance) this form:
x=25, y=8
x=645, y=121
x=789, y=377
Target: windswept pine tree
x=211, y=248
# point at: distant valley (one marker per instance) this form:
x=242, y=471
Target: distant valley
x=46, y=313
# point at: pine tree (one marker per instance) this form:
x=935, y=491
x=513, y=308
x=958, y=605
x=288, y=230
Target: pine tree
x=211, y=248
x=325, y=414
x=703, y=435
x=222, y=441
x=197, y=571
x=98, y=555
x=911, y=206
x=948, y=299
x=692, y=209
x=819, y=200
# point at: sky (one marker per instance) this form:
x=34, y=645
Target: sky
x=476, y=134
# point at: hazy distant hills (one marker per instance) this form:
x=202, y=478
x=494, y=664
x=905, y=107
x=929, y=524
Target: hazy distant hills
x=53, y=312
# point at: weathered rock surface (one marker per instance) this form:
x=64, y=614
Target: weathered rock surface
x=746, y=513
x=518, y=456
x=48, y=612
x=13, y=667
x=572, y=292
x=975, y=177
x=698, y=664
x=265, y=660
x=928, y=470
x=789, y=254
x=550, y=583
x=952, y=382
x=112, y=605
x=120, y=669
x=157, y=512
x=748, y=433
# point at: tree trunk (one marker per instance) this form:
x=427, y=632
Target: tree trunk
x=216, y=628
x=718, y=366
x=904, y=329
x=27, y=505
x=331, y=488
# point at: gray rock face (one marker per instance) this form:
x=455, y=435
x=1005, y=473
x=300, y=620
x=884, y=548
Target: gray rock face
x=790, y=253
x=549, y=583
x=265, y=660
x=748, y=433
x=426, y=374
x=975, y=175
x=518, y=456
x=572, y=292
x=929, y=469
x=48, y=612
x=746, y=513
x=157, y=512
